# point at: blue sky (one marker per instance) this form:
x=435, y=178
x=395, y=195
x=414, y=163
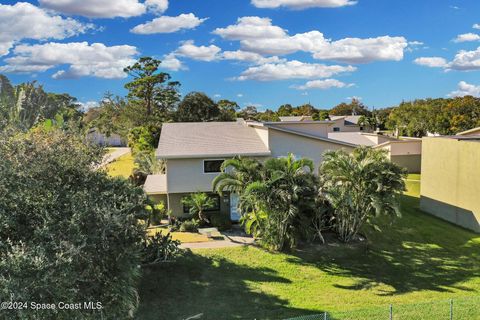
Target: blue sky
x=298, y=51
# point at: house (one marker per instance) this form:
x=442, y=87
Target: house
x=406, y=152
x=347, y=124
x=194, y=153
x=113, y=140
x=296, y=118
x=450, y=184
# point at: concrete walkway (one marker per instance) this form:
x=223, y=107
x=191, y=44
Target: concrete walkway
x=230, y=241
x=112, y=156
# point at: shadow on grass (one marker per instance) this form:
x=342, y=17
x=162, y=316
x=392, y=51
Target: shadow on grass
x=213, y=286
x=417, y=252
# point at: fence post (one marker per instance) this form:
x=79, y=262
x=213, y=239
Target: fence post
x=325, y=316
x=391, y=312
x=451, y=309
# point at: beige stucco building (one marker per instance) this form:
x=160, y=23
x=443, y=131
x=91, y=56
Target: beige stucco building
x=450, y=184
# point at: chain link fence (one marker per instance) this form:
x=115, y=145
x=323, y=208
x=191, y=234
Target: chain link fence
x=454, y=309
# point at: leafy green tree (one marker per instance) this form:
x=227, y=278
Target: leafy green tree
x=285, y=110
x=198, y=203
x=228, y=110
x=142, y=139
x=68, y=233
x=197, y=107
x=151, y=89
x=146, y=163
x=268, y=116
x=355, y=107
x=249, y=113
x=360, y=186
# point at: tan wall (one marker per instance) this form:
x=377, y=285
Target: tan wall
x=263, y=134
x=176, y=205
x=318, y=129
x=186, y=175
x=450, y=184
x=281, y=143
x=406, y=147
x=340, y=123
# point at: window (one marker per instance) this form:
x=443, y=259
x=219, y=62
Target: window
x=361, y=128
x=336, y=129
x=212, y=166
x=215, y=207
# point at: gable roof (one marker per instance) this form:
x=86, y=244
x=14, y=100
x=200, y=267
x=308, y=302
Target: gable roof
x=473, y=131
x=349, y=120
x=295, y=118
x=209, y=139
x=311, y=136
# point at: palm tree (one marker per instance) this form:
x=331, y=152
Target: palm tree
x=360, y=186
x=198, y=203
x=147, y=163
x=272, y=195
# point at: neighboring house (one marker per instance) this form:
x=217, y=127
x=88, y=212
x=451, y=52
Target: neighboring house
x=471, y=132
x=361, y=138
x=113, y=140
x=406, y=153
x=450, y=183
x=296, y=118
x=347, y=124
x=194, y=153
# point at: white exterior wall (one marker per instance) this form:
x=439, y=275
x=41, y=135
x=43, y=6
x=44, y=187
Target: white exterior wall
x=282, y=143
x=263, y=134
x=406, y=148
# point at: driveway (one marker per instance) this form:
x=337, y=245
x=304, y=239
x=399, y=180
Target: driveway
x=112, y=156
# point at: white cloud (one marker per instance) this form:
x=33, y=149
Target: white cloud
x=355, y=50
x=26, y=21
x=203, y=53
x=302, y=4
x=465, y=89
x=466, y=37
x=463, y=61
x=85, y=106
x=166, y=24
x=251, y=28
x=240, y=95
x=217, y=95
x=157, y=6
x=250, y=57
x=260, y=36
x=170, y=62
x=95, y=60
x=323, y=84
x=432, y=62
x=97, y=9
x=292, y=70
x=476, y=26
x=466, y=60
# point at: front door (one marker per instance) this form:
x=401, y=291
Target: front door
x=234, y=214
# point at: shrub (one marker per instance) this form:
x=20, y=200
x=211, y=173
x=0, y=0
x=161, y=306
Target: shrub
x=160, y=248
x=221, y=221
x=69, y=236
x=189, y=226
x=141, y=139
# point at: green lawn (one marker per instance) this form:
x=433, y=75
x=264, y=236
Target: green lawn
x=121, y=167
x=417, y=260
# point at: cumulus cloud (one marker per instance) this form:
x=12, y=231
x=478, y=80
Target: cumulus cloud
x=466, y=37
x=203, y=53
x=252, y=57
x=170, y=62
x=26, y=21
x=95, y=60
x=463, y=61
x=260, y=36
x=465, y=89
x=302, y=4
x=106, y=8
x=251, y=28
x=432, y=62
x=166, y=24
x=476, y=26
x=292, y=70
x=323, y=84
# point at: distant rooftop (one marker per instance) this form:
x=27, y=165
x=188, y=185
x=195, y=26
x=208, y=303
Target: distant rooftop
x=349, y=120
x=209, y=139
x=296, y=118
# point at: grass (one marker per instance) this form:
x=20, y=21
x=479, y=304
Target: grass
x=121, y=167
x=184, y=237
x=416, y=264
